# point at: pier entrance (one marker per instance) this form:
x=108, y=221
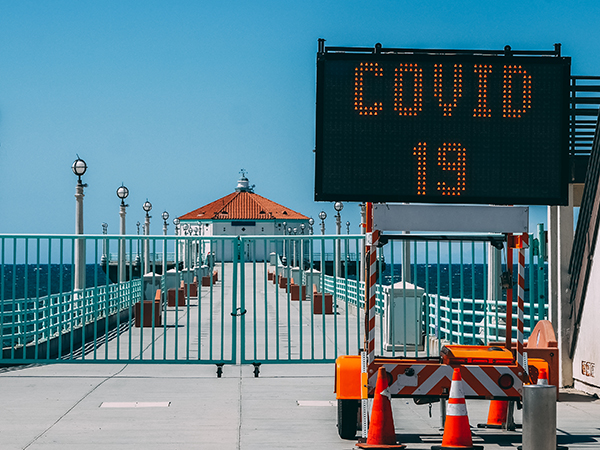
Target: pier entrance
x=220, y=304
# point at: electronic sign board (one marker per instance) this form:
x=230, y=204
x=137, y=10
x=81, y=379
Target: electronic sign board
x=443, y=128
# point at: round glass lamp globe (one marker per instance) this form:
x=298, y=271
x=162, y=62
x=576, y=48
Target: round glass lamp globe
x=79, y=167
x=122, y=192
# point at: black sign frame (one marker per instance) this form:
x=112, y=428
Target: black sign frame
x=335, y=176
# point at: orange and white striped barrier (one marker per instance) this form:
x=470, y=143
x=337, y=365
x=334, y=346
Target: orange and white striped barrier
x=542, y=377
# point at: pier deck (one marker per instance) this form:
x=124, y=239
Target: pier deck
x=91, y=406
x=179, y=405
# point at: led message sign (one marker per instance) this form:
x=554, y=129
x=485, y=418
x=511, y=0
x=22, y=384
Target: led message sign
x=442, y=128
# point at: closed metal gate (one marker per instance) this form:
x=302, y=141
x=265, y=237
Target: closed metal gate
x=251, y=299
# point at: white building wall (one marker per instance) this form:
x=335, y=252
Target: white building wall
x=586, y=360
x=252, y=252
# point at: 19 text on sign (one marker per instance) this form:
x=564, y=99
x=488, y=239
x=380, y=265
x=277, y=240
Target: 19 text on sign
x=442, y=128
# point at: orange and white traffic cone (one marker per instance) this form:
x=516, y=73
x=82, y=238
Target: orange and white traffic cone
x=497, y=415
x=382, y=433
x=543, y=377
x=457, y=432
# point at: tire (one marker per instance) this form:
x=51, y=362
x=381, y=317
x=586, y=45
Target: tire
x=347, y=418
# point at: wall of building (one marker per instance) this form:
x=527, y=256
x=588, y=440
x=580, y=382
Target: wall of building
x=586, y=372
x=225, y=252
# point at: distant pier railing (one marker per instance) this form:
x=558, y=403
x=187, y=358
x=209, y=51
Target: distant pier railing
x=30, y=325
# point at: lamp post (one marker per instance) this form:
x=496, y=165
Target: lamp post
x=179, y=245
x=322, y=216
x=294, y=261
x=165, y=217
x=137, y=257
x=79, y=167
x=338, y=206
x=147, y=207
x=302, y=227
x=104, y=259
x=284, y=259
x=311, y=222
x=363, y=228
x=122, y=193
x=348, y=227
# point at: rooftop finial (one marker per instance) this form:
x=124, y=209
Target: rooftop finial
x=243, y=184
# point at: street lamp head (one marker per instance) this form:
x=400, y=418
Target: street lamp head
x=79, y=167
x=311, y=221
x=295, y=230
x=147, y=206
x=289, y=230
x=122, y=193
x=176, y=221
x=322, y=215
x=338, y=206
x=348, y=223
x=165, y=216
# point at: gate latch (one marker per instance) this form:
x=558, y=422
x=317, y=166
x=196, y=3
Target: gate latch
x=235, y=313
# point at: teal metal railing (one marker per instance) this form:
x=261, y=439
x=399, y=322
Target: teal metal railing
x=33, y=322
x=133, y=310
x=448, y=282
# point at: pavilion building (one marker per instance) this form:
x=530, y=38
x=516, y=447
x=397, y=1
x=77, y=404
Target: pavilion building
x=241, y=213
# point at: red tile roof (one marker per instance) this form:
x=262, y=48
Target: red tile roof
x=243, y=206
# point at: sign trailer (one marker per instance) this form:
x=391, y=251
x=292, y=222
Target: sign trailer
x=440, y=126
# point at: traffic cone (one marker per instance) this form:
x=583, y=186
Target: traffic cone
x=382, y=433
x=543, y=377
x=457, y=433
x=496, y=415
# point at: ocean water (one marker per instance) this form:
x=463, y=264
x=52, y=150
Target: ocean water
x=472, y=278
x=42, y=280
x=59, y=278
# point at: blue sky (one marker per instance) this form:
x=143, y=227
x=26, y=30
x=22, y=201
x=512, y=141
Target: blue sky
x=174, y=98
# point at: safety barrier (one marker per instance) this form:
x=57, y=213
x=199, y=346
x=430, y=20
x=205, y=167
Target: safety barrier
x=259, y=299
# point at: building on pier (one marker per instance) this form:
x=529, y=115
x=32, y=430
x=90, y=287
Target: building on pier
x=243, y=212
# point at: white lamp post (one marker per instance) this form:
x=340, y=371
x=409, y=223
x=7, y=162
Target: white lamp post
x=147, y=206
x=363, y=225
x=322, y=216
x=338, y=206
x=122, y=193
x=165, y=217
x=104, y=259
x=294, y=260
x=79, y=167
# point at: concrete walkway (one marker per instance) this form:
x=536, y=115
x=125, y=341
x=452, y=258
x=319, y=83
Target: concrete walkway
x=153, y=406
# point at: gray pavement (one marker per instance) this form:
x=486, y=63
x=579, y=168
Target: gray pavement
x=168, y=405
x=174, y=406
